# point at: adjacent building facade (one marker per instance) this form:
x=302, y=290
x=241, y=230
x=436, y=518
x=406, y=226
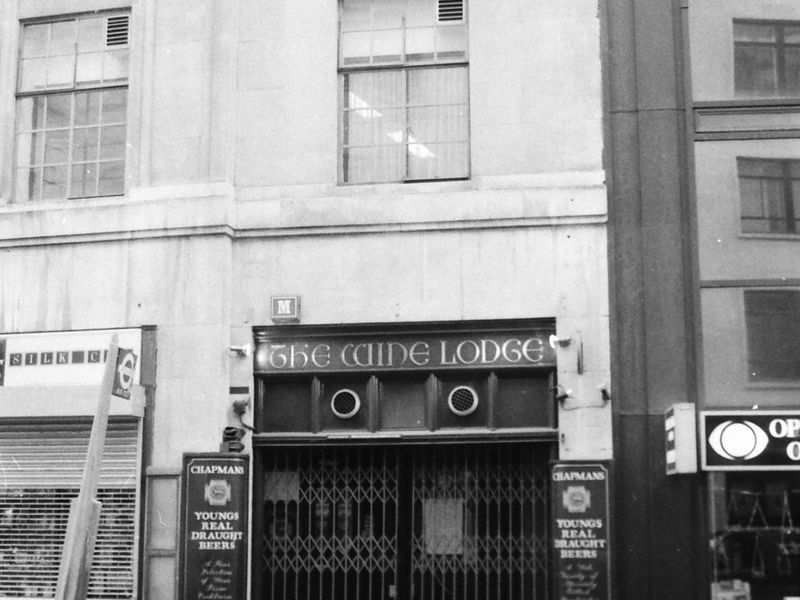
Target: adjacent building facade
x=703, y=103
x=746, y=150
x=371, y=233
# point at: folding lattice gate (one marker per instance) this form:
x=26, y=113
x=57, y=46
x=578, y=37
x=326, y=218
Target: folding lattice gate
x=425, y=522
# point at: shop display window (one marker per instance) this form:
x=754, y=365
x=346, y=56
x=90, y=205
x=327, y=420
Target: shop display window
x=756, y=523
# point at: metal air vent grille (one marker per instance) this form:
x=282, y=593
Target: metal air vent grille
x=462, y=400
x=451, y=10
x=117, y=28
x=345, y=404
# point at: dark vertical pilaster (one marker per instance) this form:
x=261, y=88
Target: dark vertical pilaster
x=652, y=297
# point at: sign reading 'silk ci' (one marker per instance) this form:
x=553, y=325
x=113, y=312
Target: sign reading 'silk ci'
x=68, y=358
x=750, y=440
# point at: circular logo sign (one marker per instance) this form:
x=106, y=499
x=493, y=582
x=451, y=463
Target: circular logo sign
x=576, y=499
x=738, y=440
x=125, y=370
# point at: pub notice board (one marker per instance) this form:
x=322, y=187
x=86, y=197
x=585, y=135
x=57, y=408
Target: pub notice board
x=214, y=495
x=581, y=531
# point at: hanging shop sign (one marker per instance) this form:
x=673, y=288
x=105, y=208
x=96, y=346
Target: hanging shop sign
x=124, y=372
x=581, y=531
x=67, y=358
x=750, y=440
x=214, y=527
x=447, y=350
x=680, y=432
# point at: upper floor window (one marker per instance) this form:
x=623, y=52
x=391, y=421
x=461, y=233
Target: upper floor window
x=71, y=107
x=770, y=195
x=773, y=334
x=767, y=58
x=405, y=95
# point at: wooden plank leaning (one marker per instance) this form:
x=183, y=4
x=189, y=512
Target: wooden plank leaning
x=84, y=515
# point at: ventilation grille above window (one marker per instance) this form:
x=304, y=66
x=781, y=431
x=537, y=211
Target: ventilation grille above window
x=345, y=404
x=117, y=30
x=463, y=400
x=451, y=10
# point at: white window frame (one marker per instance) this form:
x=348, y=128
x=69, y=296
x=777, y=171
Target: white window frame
x=110, y=135
x=402, y=64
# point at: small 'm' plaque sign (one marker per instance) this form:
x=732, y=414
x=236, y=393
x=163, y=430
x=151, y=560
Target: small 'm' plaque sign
x=285, y=309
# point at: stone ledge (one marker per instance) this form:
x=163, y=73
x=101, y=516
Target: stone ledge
x=219, y=209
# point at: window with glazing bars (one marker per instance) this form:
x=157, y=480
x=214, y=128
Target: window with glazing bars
x=71, y=107
x=766, y=58
x=404, y=88
x=770, y=195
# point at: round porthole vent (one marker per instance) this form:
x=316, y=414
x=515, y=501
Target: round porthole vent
x=345, y=403
x=463, y=400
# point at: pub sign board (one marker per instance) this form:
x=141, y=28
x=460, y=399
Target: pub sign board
x=581, y=531
x=445, y=350
x=214, y=501
x=750, y=440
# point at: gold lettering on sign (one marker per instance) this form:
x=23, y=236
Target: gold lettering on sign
x=533, y=349
x=410, y=353
x=420, y=353
x=321, y=355
x=395, y=348
x=485, y=349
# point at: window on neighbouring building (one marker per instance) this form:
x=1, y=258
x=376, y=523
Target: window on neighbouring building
x=404, y=82
x=71, y=107
x=767, y=58
x=770, y=195
x=773, y=334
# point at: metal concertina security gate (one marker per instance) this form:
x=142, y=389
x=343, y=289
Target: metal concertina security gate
x=432, y=522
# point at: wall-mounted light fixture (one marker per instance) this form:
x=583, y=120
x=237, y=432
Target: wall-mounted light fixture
x=562, y=393
x=240, y=351
x=562, y=342
x=559, y=341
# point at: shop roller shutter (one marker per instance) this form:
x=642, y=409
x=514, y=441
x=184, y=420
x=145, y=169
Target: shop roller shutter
x=41, y=466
